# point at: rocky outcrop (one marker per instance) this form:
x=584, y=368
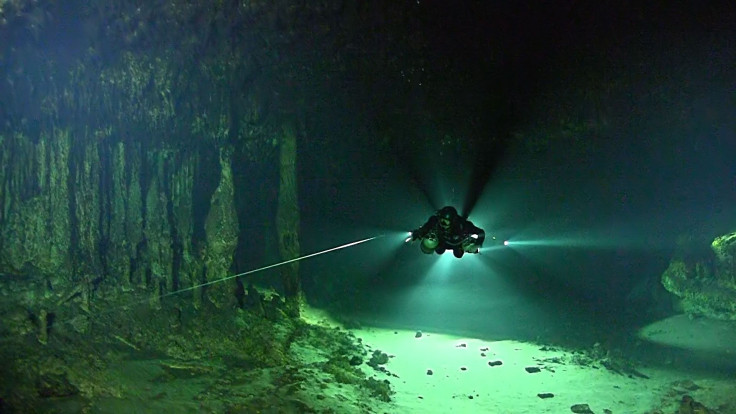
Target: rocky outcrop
x=706, y=287
x=724, y=248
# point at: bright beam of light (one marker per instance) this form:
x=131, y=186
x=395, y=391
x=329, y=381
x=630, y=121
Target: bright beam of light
x=260, y=269
x=561, y=242
x=583, y=242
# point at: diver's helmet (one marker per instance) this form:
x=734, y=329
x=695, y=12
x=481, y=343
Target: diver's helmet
x=447, y=216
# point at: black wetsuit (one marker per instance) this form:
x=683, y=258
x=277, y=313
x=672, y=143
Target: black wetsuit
x=453, y=237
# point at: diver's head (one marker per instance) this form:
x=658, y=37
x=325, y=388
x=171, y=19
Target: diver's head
x=447, y=216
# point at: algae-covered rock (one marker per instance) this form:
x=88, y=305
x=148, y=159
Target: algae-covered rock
x=157, y=231
x=87, y=209
x=221, y=229
x=126, y=218
x=182, y=200
x=706, y=286
x=724, y=248
x=37, y=223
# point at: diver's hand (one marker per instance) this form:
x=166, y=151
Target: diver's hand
x=469, y=246
x=413, y=236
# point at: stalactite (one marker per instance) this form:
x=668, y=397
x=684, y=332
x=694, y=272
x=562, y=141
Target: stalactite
x=60, y=223
x=87, y=210
x=120, y=251
x=157, y=230
x=4, y=161
x=134, y=217
x=221, y=229
x=182, y=193
x=287, y=218
x=4, y=165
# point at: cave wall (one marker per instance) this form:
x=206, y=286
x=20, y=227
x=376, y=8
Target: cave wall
x=106, y=214
x=137, y=137
x=36, y=216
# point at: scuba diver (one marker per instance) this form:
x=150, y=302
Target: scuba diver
x=446, y=230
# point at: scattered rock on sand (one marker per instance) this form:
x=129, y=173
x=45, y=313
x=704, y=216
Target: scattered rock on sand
x=378, y=358
x=532, y=370
x=686, y=384
x=688, y=405
x=581, y=409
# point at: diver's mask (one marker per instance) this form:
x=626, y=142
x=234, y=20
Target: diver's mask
x=445, y=223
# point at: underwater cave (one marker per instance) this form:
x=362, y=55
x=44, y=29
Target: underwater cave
x=367, y=207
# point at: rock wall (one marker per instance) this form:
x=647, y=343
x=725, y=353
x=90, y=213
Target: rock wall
x=706, y=286
x=84, y=215
x=36, y=220
x=112, y=177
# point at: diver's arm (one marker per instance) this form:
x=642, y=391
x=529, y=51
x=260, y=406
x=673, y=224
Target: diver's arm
x=421, y=232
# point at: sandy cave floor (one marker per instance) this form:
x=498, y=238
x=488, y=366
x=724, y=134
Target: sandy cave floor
x=466, y=377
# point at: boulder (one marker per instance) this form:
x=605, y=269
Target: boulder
x=706, y=286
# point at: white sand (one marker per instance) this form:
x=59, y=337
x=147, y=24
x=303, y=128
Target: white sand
x=509, y=388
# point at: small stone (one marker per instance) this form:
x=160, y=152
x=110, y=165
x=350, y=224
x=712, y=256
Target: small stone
x=581, y=409
x=483, y=354
x=429, y=372
x=461, y=346
x=418, y=334
x=545, y=395
x=484, y=349
x=687, y=384
x=378, y=358
x=470, y=397
x=463, y=368
x=532, y=370
x=495, y=363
